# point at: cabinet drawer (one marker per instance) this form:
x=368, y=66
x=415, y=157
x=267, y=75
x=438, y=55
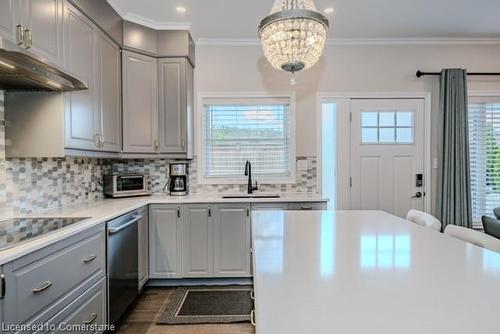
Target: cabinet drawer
x=307, y=206
x=39, y=284
x=88, y=310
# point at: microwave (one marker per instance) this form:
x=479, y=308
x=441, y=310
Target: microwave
x=127, y=185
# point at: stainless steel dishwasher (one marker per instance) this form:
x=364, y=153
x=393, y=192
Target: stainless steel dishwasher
x=123, y=267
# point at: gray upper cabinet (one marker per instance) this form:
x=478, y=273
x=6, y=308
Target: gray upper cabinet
x=232, y=240
x=92, y=116
x=81, y=58
x=165, y=241
x=42, y=22
x=140, y=103
x=36, y=26
x=172, y=76
x=8, y=17
x=109, y=120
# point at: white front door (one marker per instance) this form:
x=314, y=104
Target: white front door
x=387, y=155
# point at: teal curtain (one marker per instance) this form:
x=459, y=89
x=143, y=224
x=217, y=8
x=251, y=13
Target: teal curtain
x=454, y=192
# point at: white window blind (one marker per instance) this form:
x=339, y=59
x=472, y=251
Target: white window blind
x=254, y=129
x=484, y=142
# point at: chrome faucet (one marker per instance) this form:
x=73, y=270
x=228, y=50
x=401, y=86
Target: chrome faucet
x=248, y=172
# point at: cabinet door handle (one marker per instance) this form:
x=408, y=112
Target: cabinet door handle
x=157, y=145
x=183, y=143
x=101, y=140
x=209, y=212
x=252, y=318
x=93, y=316
x=306, y=208
x=2, y=286
x=252, y=294
x=178, y=212
x=43, y=287
x=28, y=38
x=19, y=35
x=96, y=140
x=89, y=259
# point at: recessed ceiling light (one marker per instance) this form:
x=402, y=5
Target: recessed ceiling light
x=180, y=9
x=329, y=10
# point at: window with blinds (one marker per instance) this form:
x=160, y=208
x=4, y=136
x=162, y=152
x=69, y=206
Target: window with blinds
x=484, y=142
x=254, y=129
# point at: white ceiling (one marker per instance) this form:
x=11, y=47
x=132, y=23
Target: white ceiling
x=353, y=19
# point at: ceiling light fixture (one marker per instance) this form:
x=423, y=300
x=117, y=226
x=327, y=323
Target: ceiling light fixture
x=293, y=35
x=329, y=10
x=180, y=9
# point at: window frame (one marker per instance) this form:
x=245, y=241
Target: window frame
x=202, y=96
x=484, y=96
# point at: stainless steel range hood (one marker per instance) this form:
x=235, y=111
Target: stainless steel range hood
x=21, y=70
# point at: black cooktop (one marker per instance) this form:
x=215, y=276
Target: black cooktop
x=19, y=230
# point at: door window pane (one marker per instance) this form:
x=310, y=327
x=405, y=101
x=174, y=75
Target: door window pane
x=386, y=135
x=369, y=119
x=387, y=127
x=369, y=135
x=386, y=118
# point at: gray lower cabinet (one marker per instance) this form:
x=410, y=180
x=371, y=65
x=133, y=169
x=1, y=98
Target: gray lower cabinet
x=232, y=256
x=176, y=105
x=143, y=235
x=39, y=286
x=140, y=103
x=89, y=309
x=198, y=240
x=165, y=241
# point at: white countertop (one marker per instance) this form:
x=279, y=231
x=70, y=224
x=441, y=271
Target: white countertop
x=103, y=210
x=355, y=272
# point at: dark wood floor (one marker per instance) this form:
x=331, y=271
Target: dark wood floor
x=142, y=318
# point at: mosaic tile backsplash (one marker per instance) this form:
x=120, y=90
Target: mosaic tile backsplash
x=29, y=186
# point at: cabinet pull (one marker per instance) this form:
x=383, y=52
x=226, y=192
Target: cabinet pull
x=28, y=38
x=89, y=259
x=96, y=140
x=209, y=212
x=306, y=208
x=252, y=294
x=157, y=145
x=93, y=316
x=183, y=143
x=252, y=318
x=248, y=212
x=178, y=212
x=19, y=35
x=43, y=287
x=101, y=140
x=2, y=286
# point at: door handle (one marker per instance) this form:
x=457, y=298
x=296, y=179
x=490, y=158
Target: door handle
x=19, y=35
x=124, y=226
x=418, y=194
x=43, y=287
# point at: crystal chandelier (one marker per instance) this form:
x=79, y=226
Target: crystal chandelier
x=293, y=35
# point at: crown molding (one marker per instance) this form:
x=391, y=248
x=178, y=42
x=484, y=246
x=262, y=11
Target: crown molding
x=359, y=41
x=153, y=24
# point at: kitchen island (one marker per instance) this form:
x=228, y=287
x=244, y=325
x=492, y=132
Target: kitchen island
x=368, y=272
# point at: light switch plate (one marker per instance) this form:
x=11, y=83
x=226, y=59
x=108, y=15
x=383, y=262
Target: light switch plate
x=302, y=165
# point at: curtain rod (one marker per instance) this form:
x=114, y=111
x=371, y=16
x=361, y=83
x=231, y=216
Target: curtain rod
x=421, y=74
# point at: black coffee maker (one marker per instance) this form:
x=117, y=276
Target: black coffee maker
x=178, y=179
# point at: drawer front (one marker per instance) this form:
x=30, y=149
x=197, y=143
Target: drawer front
x=87, y=315
x=307, y=206
x=43, y=282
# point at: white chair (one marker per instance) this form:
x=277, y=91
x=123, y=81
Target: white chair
x=424, y=219
x=474, y=237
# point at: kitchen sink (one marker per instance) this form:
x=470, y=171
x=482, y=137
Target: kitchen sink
x=252, y=196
